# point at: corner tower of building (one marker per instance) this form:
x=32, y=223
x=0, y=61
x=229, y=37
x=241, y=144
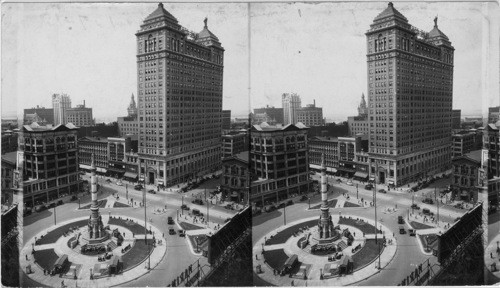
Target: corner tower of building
x=410, y=92
x=179, y=76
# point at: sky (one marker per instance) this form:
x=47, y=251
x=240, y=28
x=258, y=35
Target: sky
x=88, y=50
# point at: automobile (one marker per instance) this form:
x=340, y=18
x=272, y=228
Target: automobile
x=138, y=187
x=60, y=202
x=401, y=220
x=152, y=191
x=426, y=211
x=428, y=201
x=171, y=231
x=40, y=208
x=27, y=211
x=281, y=205
x=415, y=206
x=402, y=230
x=369, y=186
x=170, y=220
x=349, y=182
x=229, y=207
x=412, y=232
x=304, y=198
x=289, y=202
x=197, y=201
x=52, y=205
x=382, y=191
x=119, y=183
x=184, y=207
x=197, y=212
x=269, y=208
x=108, y=180
x=182, y=233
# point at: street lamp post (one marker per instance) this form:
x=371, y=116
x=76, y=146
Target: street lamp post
x=55, y=214
x=284, y=214
x=309, y=199
x=78, y=202
x=126, y=189
x=182, y=209
x=357, y=190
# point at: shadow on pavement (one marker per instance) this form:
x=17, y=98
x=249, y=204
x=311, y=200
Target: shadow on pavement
x=36, y=216
x=266, y=216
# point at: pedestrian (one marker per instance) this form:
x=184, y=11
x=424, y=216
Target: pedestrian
x=26, y=257
x=491, y=254
x=256, y=257
x=292, y=283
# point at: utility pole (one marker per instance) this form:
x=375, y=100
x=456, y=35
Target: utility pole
x=208, y=215
x=284, y=214
x=55, y=214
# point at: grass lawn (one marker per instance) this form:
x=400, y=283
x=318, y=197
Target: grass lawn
x=131, y=225
x=100, y=203
x=417, y=225
x=282, y=236
x=331, y=203
x=45, y=258
x=275, y=258
x=120, y=205
x=367, y=253
x=350, y=204
x=137, y=254
x=361, y=225
x=55, y=234
x=202, y=242
x=189, y=226
x=429, y=241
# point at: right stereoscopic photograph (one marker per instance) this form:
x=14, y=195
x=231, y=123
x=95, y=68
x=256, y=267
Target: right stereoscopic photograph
x=374, y=143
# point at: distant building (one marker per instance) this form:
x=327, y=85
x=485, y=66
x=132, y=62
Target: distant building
x=131, y=166
x=359, y=124
x=60, y=102
x=80, y=116
x=9, y=141
x=310, y=115
x=46, y=114
x=34, y=118
x=234, y=143
x=132, y=107
x=226, y=119
x=456, y=118
x=490, y=162
x=477, y=120
x=466, y=141
x=465, y=175
x=235, y=178
x=97, y=146
x=259, y=118
x=279, y=160
x=493, y=114
x=128, y=126
x=117, y=148
x=275, y=114
x=290, y=102
x=9, y=164
x=346, y=156
x=50, y=156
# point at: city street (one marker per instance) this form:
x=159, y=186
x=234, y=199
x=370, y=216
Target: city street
x=408, y=254
x=177, y=247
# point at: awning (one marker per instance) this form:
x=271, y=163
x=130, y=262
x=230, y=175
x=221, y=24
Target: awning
x=83, y=166
x=141, y=179
x=130, y=175
x=349, y=170
x=116, y=170
x=331, y=169
x=390, y=182
x=102, y=170
x=361, y=175
x=160, y=182
x=372, y=177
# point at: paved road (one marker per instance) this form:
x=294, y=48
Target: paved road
x=178, y=255
x=408, y=255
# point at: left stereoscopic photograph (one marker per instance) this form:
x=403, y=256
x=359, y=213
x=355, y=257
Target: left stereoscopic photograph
x=124, y=155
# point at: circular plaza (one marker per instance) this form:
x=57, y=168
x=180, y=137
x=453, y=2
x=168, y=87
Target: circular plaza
x=63, y=256
x=294, y=255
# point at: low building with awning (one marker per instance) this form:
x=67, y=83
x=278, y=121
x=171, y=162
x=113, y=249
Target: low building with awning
x=362, y=176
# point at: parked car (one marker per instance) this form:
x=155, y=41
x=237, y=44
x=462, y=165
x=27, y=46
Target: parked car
x=52, y=205
x=119, y=183
x=182, y=233
x=171, y=231
x=108, y=180
x=281, y=205
x=197, y=201
x=415, y=206
x=170, y=220
x=428, y=201
x=289, y=202
x=412, y=232
x=152, y=191
x=304, y=198
x=402, y=230
x=369, y=186
x=401, y=220
x=184, y=207
x=349, y=182
x=138, y=187
x=60, y=202
x=40, y=208
x=382, y=191
x=197, y=212
x=229, y=207
x=27, y=211
x=427, y=212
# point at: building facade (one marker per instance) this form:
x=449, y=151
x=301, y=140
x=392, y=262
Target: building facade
x=50, y=157
x=98, y=146
x=46, y=114
x=310, y=115
x=235, y=178
x=60, y=102
x=80, y=116
x=180, y=100
x=274, y=114
x=291, y=102
x=128, y=125
x=465, y=176
x=9, y=166
x=409, y=109
x=279, y=160
x=466, y=141
x=226, y=119
x=234, y=143
x=359, y=124
x=456, y=118
x=493, y=114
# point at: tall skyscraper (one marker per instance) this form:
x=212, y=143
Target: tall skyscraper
x=410, y=90
x=180, y=100
x=60, y=102
x=291, y=102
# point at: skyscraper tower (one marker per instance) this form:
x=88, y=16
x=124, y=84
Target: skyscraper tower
x=410, y=93
x=180, y=100
x=60, y=102
x=95, y=227
x=326, y=230
x=132, y=107
x=362, y=108
x=290, y=102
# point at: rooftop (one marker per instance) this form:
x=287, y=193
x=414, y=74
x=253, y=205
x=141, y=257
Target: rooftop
x=10, y=157
x=475, y=155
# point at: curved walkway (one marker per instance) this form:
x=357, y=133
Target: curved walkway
x=387, y=255
x=60, y=247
